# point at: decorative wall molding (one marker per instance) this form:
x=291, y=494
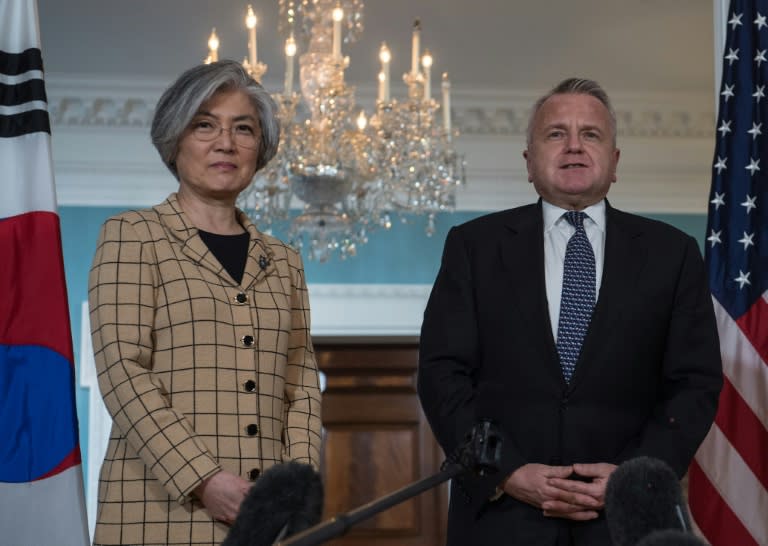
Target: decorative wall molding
x=468, y=119
x=117, y=104
x=367, y=309
x=484, y=120
x=103, y=155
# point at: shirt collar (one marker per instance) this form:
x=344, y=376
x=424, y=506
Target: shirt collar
x=553, y=214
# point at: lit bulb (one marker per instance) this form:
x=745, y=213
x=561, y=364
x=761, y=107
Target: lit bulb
x=362, y=122
x=384, y=54
x=382, y=77
x=290, y=46
x=338, y=14
x=213, y=41
x=250, y=18
x=426, y=60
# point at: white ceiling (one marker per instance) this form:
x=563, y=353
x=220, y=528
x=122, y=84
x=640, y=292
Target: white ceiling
x=630, y=46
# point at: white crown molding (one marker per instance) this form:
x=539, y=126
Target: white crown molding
x=367, y=309
x=103, y=155
x=87, y=101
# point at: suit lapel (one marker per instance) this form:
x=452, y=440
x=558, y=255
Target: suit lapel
x=524, y=289
x=624, y=259
x=260, y=260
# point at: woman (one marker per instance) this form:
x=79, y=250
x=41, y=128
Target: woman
x=200, y=327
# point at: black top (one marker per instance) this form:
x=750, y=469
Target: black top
x=230, y=250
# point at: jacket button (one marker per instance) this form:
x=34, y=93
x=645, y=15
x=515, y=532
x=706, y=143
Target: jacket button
x=247, y=340
x=250, y=385
x=252, y=429
x=241, y=298
x=253, y=474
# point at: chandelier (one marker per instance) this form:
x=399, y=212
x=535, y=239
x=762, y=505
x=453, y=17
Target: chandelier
x=351, y=171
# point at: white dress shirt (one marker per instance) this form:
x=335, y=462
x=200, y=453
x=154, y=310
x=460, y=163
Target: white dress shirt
x=557, y=231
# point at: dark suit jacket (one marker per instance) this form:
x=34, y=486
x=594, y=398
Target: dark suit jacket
x=646, y=383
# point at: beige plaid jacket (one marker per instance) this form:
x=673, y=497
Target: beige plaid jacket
x=199, y=373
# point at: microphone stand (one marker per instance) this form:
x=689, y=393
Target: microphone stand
x=481, y=453
x=340, y=524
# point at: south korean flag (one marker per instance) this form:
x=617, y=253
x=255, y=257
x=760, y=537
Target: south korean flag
x=41, y=480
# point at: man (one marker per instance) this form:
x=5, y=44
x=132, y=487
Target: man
x=589, y=339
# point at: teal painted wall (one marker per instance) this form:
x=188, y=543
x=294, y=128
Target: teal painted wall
x=403, y=255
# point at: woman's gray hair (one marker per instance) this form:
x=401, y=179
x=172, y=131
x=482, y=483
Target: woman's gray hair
x=575, y=86
x=182, y=100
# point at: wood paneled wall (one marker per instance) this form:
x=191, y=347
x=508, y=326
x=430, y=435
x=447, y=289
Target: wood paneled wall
x=377, y=440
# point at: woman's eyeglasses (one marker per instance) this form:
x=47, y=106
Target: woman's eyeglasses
x=243, y=134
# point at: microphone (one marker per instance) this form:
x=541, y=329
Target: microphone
x=643, y=495
x=286, y=499
x=670, y=537
x=481, y=450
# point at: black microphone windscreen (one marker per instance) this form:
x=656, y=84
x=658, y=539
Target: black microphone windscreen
x=643, y=495
x=671, y=537
x=286, y=496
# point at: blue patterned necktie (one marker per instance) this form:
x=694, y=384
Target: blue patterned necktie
x=578, y=296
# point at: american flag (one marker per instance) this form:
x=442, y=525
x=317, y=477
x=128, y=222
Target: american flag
x=728, y=490
x=41, y=482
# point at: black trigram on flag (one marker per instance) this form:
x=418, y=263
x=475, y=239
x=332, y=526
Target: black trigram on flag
x=23, y=103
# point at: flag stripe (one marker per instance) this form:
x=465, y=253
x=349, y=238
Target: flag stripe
x=18, y=63
x=715, y=518
x=743, y=367
x=744, y=431
x=24, y=123
x=736, y=485
x=754, y=324
x=19, y=93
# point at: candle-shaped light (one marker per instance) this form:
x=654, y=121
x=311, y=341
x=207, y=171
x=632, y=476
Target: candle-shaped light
x=362, y=121
x=250, y=22
x=426, y=63
x=382, y=84
x=290, y=53
x=338, y=15
x=213, y=47
x=446, y=85
x=415, y=45
x=385, y=56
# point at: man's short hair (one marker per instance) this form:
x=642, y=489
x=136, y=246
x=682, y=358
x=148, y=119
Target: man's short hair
x=575, y=86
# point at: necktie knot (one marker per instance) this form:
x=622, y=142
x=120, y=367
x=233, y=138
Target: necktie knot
x=576, y=218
